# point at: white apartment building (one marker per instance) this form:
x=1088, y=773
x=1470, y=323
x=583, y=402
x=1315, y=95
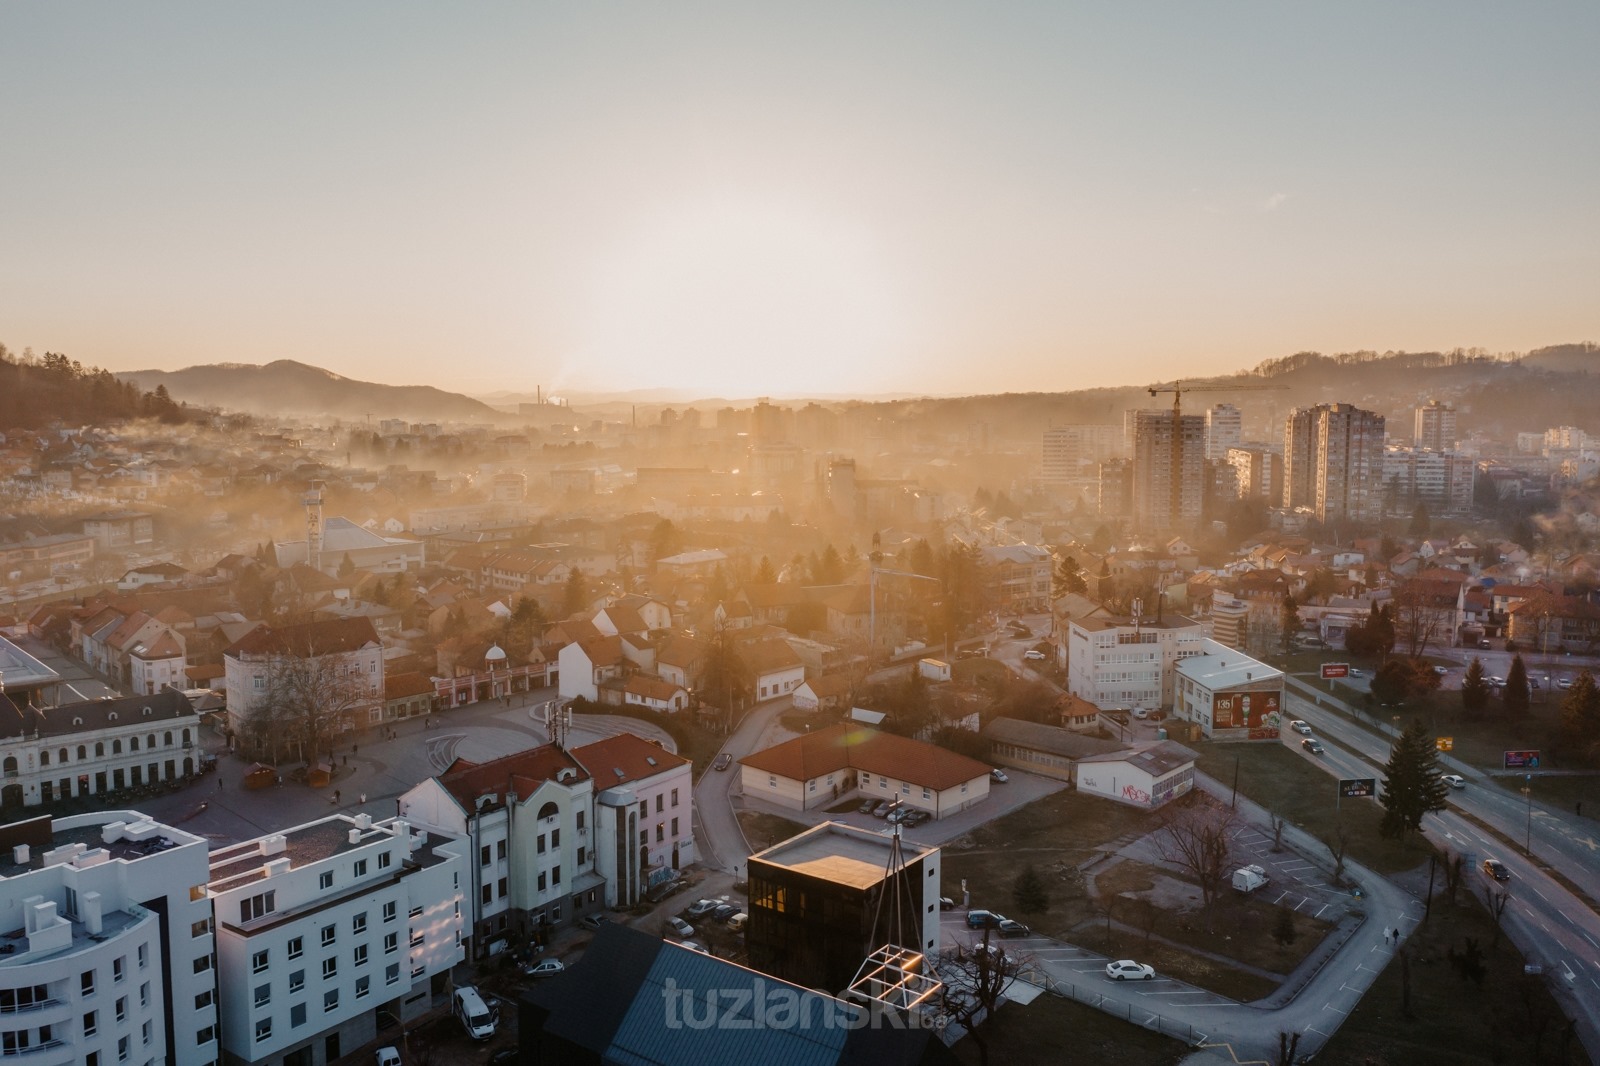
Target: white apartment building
x=95, y=747
x=322, y=927
x=1259, y=472
x=1441, y=480
x=1434, y=427
x=347, y=648
x=1127, y=663
x=110, y=959
x=1073, y=452
x=527, y=819
x=1333, y=462
x=644, y=821
x=1224, y=430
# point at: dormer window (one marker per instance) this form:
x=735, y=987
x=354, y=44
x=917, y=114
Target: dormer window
x=146, y=711
x=112, y=717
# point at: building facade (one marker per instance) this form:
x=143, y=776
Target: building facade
x=1229, y=695
x=643, y=815
x=1168, y=468
x=1441, y=481
x=1120, y=662
x=1333, y=462
x=1435, y=427
x=1224, y=430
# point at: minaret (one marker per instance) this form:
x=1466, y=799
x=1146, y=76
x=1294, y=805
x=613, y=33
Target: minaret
x=313, y=505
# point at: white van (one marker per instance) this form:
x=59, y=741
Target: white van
x=737, y=922
x=475, y=1016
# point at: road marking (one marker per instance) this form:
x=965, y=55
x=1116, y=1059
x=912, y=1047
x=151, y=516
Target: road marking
x=1541, y=895
x=1320, y=909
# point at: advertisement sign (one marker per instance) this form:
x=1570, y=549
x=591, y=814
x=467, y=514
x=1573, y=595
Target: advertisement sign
x=1444, y=743
x=1258, y=712
x=1358, y=787
x=1333, y=670
x=1522, y=760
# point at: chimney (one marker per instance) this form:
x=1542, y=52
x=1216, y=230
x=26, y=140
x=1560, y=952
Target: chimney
x=277, y=868
x=355, y=836
x=19, y=854
x=273, y=845
x=91, y=912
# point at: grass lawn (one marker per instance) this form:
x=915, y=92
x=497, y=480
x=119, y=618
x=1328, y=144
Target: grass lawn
x=1042, y=1032
x=1562, y=791
x=1509, y=1018
x=1280, y=780
x=763, y=830
x=976, y=671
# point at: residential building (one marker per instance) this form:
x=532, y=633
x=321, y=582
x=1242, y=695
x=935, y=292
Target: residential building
x=120, y=531
x=773, y=667
x=1435, y=427
x=527, y=818
x=643, y=814
x=95, y=747
x=1149, y=776
x=1073, y=452
x=586, y=664
x=1440, y=480
x=1224, y=430
x=815, y=912
x=111, y=954
x=341, y=656
x=1047, y=750
x=1016, y=577
x=1168, y=486
x=323, y=927
x=848, y=760
x=1333, y=462
x=828, y=692
x=1114, y=489
x=1259, y=470
x=1125, y=662
x=1229, y=695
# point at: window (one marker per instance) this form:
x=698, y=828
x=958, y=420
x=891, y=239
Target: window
x=674, y=827
x=363, y=986
x=661, y=802
x=487, y=893
x=541, y=882
x=144, y=1034
x=644, y=808
x=330, y=966
x=202, y=964
x=297, y=1015
x=416, y=912
x=91, y=1023
x=330, y=933
x=361, y=867
x=263, y=995
x=392, y=973
x=580, y=821
x=203, y=1000
x=330, y=999
x=483, y=855
x=555, y=879
x=926, y=793
x=201, y=1036
x=258, y=684
x=297, y=947
x=86, y=982
x=674, y=797
x=361, y=954
x=200, y=928
x=383, y=860
x=122, y=1049
x=297, y=980
x=388, y=911
x=661, y=832
x=811, y=786
x=144, y=994
x=257, y=906
x=118, y=964
x=582, y=854
x=264, y=1029
x=541, y=844
x=358, y=924
x=122, y=1008
x=416, y=937
x=500, y=850
x=258, y=962
x=391, y=943
x=501, y=888
x=772, y=780
x=325, y=879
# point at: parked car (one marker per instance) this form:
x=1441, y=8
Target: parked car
x=898, y=815
x=1141, y=712
x=665, y=889
x=998, y=776
x=681, y=927
x=723, y=761
x=1496, y=869
x=1565, y=682
x=1484, y=644
x=946, y=903
x=702, y=906
x=724, y=912
x=981, y=919
x=915, y=817
x=1453, y=780
x=388, y=1056
x=1127, y=969
x=1009, y=928
x=866, y=806
x=883, y=808
x=545, y=968
x=1313, y=746
x=1300, y=727
x=1441, y=670
x=1033, y=655
x=594, y=921
x=1497, y=681
x=506, y=1056
x=1354, y=672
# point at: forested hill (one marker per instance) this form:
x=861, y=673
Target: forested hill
x=37, y=392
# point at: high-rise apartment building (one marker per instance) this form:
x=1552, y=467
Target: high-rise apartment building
x=1224, y=430
x=1260, y=472
x=1116, y=488
x=1168, y=470
x=1333, y=462
x=1435, y=427
x=1443, y=480
x=1071, y=452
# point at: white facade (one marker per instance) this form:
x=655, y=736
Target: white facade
x=643, y=813
x=1115, y=663
x=1224, y=430
x=1074, y=451
x=92, y=977
x=321, y=926
x=1229, y=694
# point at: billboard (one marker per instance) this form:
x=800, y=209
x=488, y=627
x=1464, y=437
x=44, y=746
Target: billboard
x=1522, y=760
x=1256, y=711
x=1444, y=743
x=1333, y=670
x=1358, y=787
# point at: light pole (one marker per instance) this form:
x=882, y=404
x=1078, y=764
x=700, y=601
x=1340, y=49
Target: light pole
x=1527, y=838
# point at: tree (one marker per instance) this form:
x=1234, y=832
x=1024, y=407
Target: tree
x=1580, y=719
x=829, y=569
x=665, y=541
x=303, y=702
x=1069, y=577
x=1029, y=893
x=1515, y=695
x=1422, y=615
x=1411, y=787
x=1197, y=836
x=1474, y=690
x=1421, y=521
x=765, y=574
x=1398, y=680
x=974, y=982
x=1375, y=636
x=1337, y=848
x=1284, y=932
x=346, y=566
x=1320, y=585
x=575, y=596
x=1290, y=620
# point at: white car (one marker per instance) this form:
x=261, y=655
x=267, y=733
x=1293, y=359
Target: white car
x=1565, y=682
x=1453, y=780
x=1127, y=969
x=1034, y=655
x=545, y=968
x=1300, y=727
x=681, y=927
x=1497, y=682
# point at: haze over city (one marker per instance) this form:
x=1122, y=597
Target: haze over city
x=740, y=200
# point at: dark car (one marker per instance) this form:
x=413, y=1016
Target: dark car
x=883, y=808
x=724, y=912
x=505, y=1057
x=665, y=889
x=723, y=761
x=1012, y=929
x=866, y=806
x=1496, y=869
x=1313, y=746
x=980, y=919
x=915, y=818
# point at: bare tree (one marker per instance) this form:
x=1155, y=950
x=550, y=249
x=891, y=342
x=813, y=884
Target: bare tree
x=1422, y=616
x=1197, y=837
x=1337, y=848
x=1496, y=902
x=974, y=981
x=305, y=701
x=1278, y=821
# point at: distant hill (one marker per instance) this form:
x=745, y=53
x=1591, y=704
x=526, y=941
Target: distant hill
x=288, y=387
x=1568, y=358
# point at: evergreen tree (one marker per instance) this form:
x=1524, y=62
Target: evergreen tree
x=575, y=597
x=1284, y=932
x=830, y=568
x=1580, y=719
x=1289, y=620
x=1421, y=521
x=765, y=574
x=1515, y=696
x=1069, y=577
x=1474, y=690
x=922, y=559
x=1411, y=785
x=1029, y=893
x=346, y=566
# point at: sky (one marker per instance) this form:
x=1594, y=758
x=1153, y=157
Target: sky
x=794, y=199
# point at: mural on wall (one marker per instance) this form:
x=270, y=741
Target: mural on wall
x=1259, y=712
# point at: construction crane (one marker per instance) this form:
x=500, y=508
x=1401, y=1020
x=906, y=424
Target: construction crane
x=1178, y=388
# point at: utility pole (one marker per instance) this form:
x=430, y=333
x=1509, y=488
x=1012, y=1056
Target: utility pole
x=1527, y=838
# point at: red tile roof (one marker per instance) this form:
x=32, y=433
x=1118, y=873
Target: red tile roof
x=521, y=772
x=330, y=636
x=625, y=757
x=853, y=746
x=404, y=686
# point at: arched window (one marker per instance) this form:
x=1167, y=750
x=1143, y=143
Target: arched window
x=116, y=747
x=44, y=757
x=9, y=765
x=61, y=757
x=167, y=739
x=186, y=738
x=133, y=743
x=549, y=810
x=83, y=753
x=99, y=749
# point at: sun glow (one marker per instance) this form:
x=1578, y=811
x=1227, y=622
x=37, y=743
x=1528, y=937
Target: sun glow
x=740, y=298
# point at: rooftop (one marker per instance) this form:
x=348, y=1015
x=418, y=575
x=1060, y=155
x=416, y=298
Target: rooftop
x=839, y=853
x=1097, y=623
x=1221, y=667
x=19, y=670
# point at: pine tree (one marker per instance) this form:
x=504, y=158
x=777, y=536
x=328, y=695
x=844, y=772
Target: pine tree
x=1515, y=696
x=1290, y=620
x=1029, y=893
x=1284, y=933
x=1474, y=690
x=765, y=574
x=1069, y=577
x=1411, y=786
x=1580, y=718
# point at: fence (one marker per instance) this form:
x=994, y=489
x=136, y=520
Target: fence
x=1094, y=997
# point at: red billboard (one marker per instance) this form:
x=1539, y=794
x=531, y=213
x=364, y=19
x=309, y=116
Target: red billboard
x=1333, y=670
x=1255, y=711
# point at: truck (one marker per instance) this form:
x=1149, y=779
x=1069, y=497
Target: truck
x=1249, y=878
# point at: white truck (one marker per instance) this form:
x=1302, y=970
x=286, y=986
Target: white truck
x=1249, y=878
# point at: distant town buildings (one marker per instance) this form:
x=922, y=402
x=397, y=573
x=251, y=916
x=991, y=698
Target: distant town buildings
x=1435, y=427
x=1168, y=483
x=1333, y=462
x=1224, y=430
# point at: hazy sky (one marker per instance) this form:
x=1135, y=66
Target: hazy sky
x=793, y=198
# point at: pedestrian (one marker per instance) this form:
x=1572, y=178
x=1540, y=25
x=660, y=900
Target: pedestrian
x=363, y=797
x=219, y=782
x=347, y=760
x=335, y=797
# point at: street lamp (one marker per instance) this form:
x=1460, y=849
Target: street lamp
x=1527, y=838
